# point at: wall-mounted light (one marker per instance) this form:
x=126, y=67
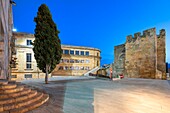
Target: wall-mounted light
x=14, y=30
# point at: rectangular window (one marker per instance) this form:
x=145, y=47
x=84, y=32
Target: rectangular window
x=66, y=68
x=71, y=68
x=61, y=60
x=77, y=53
x=72, y=52
x=82, y=61
x=77, y=61
x=71, y=60
x=66, y=60
x=87, y=53
x=28, y=75
x=66, y=52
x=76, y=68
x=14, y=76
x=28, y=60
x=87, y=61
x=81, y=68
x=28, y=65
x=28, y=57
x=60, y=68
x=29, y=42
x=82, y=52
x=87, y=68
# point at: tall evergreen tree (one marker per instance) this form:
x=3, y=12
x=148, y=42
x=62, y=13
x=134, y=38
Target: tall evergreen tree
x=47, y=46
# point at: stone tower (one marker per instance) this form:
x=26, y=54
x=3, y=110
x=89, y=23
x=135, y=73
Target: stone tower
x=145, y=55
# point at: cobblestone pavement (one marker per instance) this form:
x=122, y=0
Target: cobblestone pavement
x=104, y=96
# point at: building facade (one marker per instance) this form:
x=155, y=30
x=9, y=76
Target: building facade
x=26, y=67
x=142, y=56
x=6, y=24
x=76, y=60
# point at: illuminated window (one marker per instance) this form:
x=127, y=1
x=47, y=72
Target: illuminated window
x=71, y=60
x=87, y=68
x=61, y=61
x=81, y=68
x=76, y=68
x=82, y=61
x=87, y=61
x=66, y=60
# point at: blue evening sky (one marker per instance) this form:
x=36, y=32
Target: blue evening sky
x=101, y=24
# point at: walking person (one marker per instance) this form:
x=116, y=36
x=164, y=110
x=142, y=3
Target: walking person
x=110, y=73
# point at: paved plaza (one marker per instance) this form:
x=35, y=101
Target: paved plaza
x=89, y=95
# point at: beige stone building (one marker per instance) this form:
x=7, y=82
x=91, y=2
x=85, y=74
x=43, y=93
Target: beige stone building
x=142, y=56
x=26, y=64
x=76, y=60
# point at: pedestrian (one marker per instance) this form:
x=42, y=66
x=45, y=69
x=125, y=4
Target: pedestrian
x=110, y=73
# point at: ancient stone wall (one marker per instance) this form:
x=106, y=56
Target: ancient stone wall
x=145, y=55
x=119, y=59
x=161, y=55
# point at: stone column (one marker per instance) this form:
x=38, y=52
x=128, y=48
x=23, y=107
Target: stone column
x=5, y=32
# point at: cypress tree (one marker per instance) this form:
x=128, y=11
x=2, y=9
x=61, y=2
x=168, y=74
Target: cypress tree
x=47, y=45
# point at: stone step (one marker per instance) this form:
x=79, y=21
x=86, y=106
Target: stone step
x=2, y=82
x=31, y=106
x=18, y=99
x=15, y=94
x=7, y=107
x=5, y=112
x=7, y=86
x=1, y=108
x=17, y=89
x=12, y=81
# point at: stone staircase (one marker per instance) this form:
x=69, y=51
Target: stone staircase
x=17, y=98
x=91, y=71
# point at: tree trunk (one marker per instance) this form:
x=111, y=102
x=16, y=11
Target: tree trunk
x=46, y=75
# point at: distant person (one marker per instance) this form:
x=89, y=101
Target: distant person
x=110, y=73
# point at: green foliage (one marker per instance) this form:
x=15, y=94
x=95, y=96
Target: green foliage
x=47, y=45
